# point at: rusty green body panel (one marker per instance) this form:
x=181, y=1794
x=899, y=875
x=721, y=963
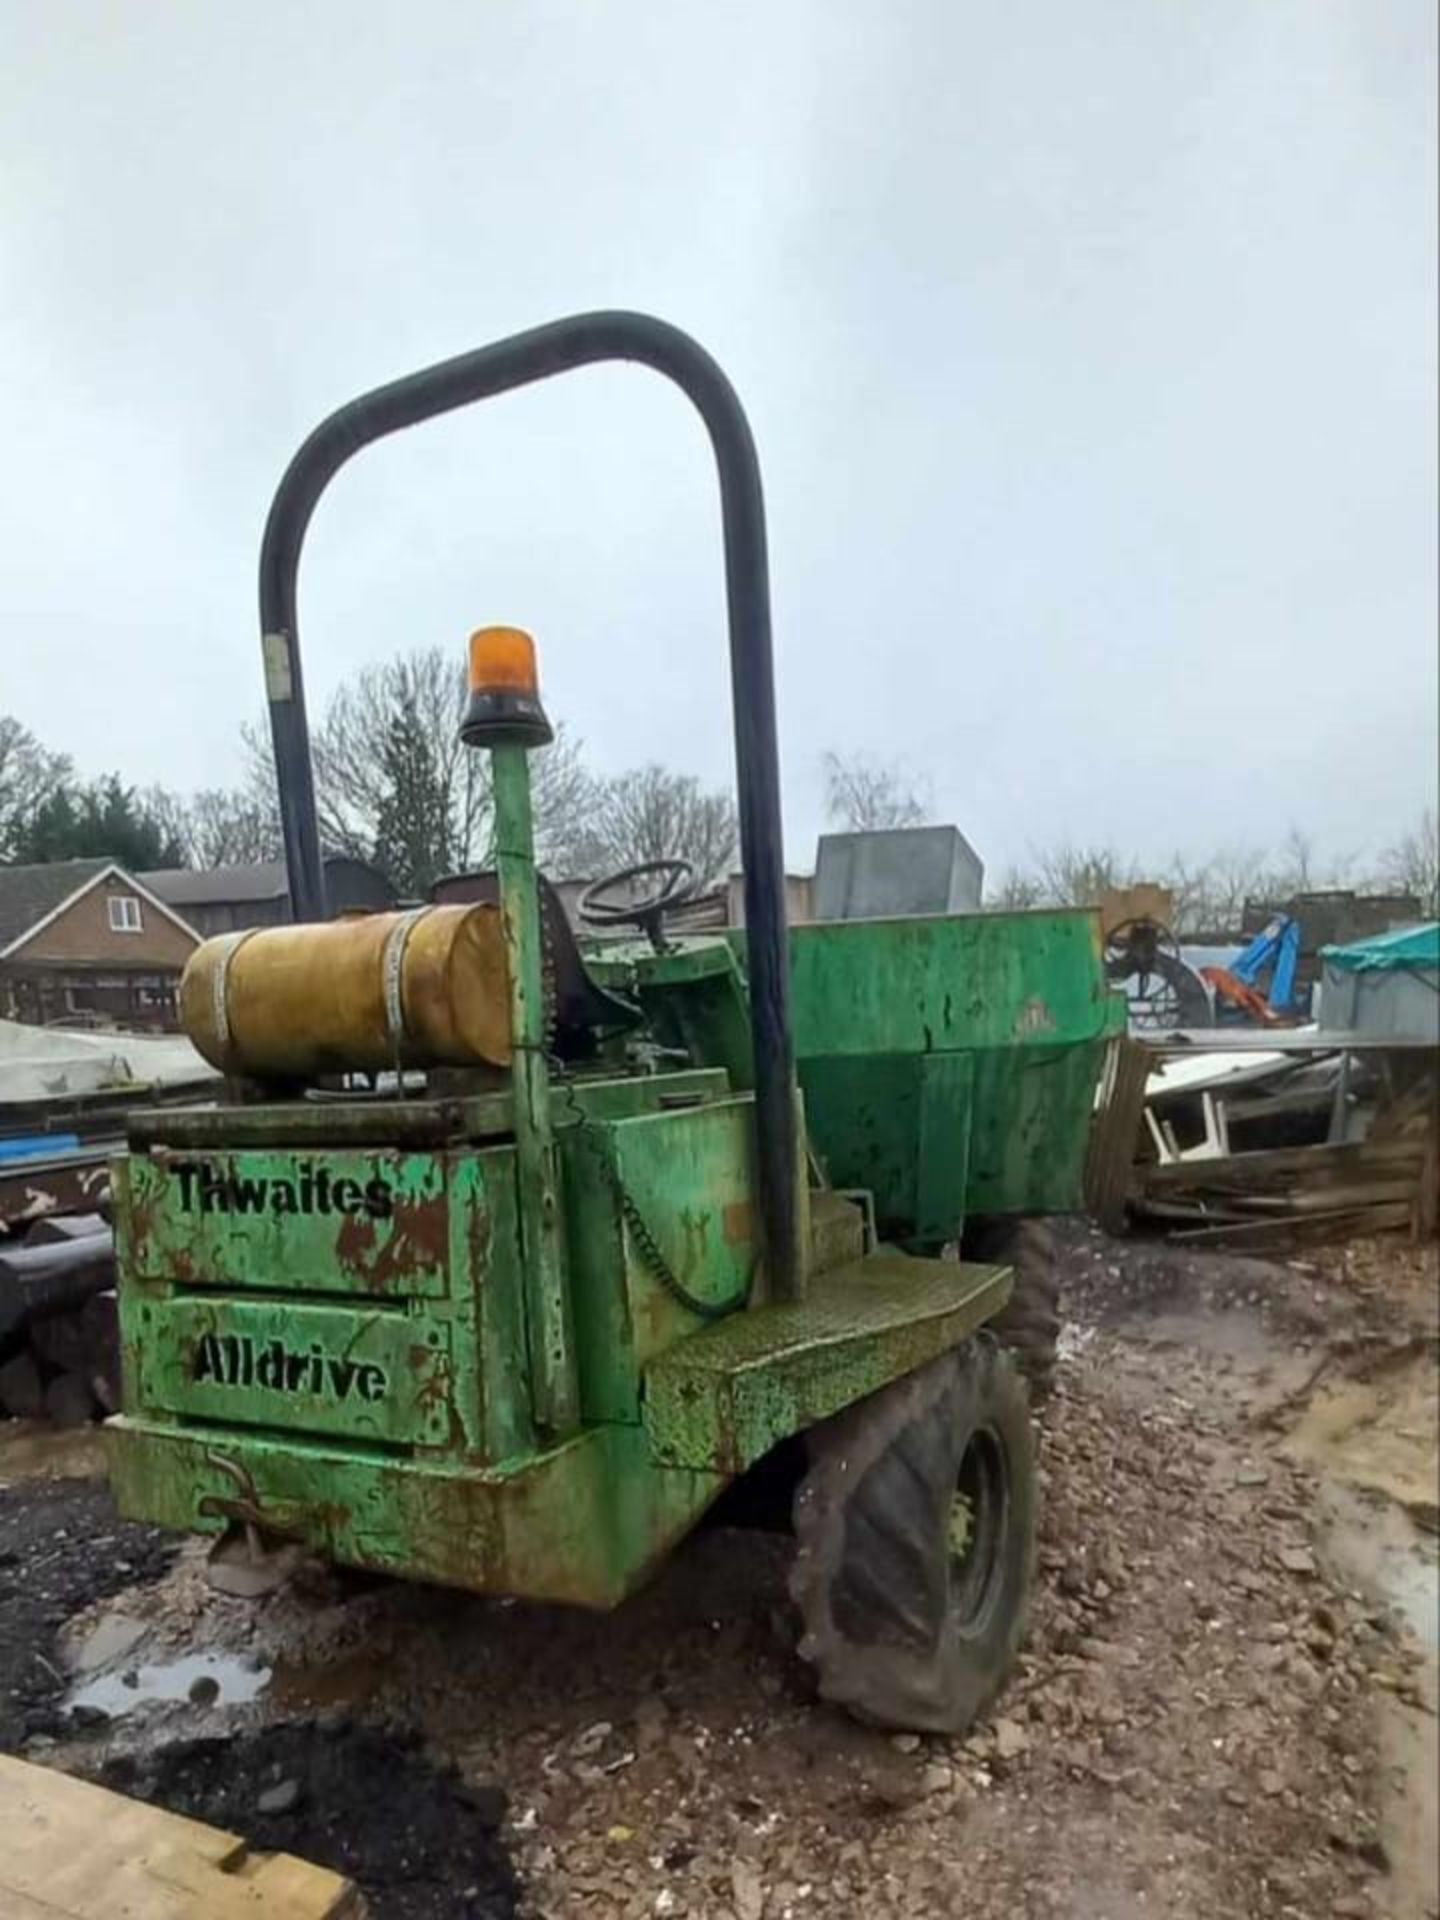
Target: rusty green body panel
x=402, y=1123
x=331, y=1342
x=880, y=1005
x=342, y=1222
x=949, y=1062
x=900, y=1125
x=688, y=1175
x=199, y=1236
x=585, y=1522
x=334, y=1345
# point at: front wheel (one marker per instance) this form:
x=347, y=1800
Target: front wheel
x=915, y=1530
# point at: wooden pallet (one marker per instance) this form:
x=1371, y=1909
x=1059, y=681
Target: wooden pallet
x=72, y=1851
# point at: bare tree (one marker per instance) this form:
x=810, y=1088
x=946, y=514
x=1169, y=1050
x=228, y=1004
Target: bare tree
x=1412, y=865
x=29, y=777
x=1294, y=869
x=1210, y=894
x=1234, y=875
x=231, y=827
x=565, y=800
x=395, y=784
x=1187, y=883
x=1207, y=895
x=654, y=814
x=1015, y=888
x=864, y=795
x=419, y=695
x=170, y=815
x=1081, y=876
x=259, y=790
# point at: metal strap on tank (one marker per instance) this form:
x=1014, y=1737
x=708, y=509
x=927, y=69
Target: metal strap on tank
x=220, y=987
x=393, y=970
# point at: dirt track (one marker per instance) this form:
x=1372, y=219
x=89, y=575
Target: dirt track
x=1202, y=1724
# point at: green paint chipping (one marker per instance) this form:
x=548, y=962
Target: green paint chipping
x=886, y=1009
x=583, y=1523
x=373, y=1375
x=724, y=1397
x=371, y=1326
x=327, y=1222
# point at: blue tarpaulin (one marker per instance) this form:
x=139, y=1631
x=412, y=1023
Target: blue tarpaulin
x=38, y=1146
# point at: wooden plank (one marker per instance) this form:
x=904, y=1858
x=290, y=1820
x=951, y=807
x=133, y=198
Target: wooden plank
x=1294, y=1164
x=1426, y=1214
x=285, y=1884
x=1336, y=1199
x=1110, y=1167
x=73, y=1851
x=1301, y=1040
x=1410, y=1113
x=255, y=1887
x=1227, y=1204
x=1314, y=1226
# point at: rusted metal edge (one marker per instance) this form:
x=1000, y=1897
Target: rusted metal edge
x=722, y=1399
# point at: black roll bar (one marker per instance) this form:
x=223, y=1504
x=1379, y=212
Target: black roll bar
x=581, y=341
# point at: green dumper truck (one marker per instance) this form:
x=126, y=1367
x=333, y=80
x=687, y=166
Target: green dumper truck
x=504, y=1256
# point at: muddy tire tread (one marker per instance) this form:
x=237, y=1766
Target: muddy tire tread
x=866, y=1547
x=1029, y=1324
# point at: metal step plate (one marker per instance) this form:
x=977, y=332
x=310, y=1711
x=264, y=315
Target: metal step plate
x=724, y=1396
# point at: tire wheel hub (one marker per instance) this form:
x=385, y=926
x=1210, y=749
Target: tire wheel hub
x=979, y=1516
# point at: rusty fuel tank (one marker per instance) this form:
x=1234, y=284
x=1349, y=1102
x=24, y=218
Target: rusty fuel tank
x=384, y=990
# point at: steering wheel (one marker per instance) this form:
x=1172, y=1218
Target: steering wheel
x=674, y=885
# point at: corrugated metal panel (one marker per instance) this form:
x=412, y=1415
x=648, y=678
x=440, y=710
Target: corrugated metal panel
x=1391, y=1005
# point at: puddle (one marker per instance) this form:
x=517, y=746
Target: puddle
x=207, y=1679
x=1381, y=1432
x=1371, y=1435
x=1373, y=1545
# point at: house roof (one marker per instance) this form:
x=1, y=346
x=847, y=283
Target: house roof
x=235, y=885
x=27, y=894
x=197, y=886
x=30, y=896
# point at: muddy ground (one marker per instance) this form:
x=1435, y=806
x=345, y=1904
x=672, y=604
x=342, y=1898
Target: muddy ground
x=1225, y=1709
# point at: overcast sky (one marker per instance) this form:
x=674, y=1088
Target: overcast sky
x=1090, y=350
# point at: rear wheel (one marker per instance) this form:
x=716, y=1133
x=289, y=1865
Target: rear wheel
x=1030, y=1323
x=915, y=1530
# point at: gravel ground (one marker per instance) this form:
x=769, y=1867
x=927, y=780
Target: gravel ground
x=1192, y=1732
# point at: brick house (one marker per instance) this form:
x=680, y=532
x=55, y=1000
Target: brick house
x=83, y=938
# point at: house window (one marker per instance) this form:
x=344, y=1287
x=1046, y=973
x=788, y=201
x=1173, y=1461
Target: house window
x=124, y=913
